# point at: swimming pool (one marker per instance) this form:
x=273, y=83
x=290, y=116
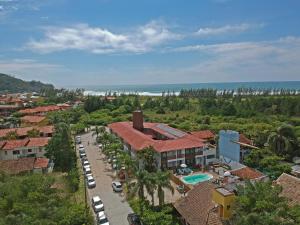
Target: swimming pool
x=196, y=178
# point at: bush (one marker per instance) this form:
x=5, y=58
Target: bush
x=73, y=180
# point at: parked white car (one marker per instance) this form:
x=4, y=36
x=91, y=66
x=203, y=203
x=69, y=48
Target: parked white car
x=85, y=163
x=97, y=204
x=81, y=150
x=87, y=171
x=86, y=166
x=91, y=183
x=81, y=146
x=82, y=155
x=117, y=186
x=102, y=219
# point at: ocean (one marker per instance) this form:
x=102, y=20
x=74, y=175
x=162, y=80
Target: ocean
x=158, y=89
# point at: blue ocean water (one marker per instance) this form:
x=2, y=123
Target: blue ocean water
x=155, y=89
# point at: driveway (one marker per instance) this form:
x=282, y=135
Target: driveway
x=116, y=207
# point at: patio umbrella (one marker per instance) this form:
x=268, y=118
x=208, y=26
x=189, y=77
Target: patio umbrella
x=183, y=165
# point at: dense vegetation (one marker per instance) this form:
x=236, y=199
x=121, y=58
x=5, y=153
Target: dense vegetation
x=9, y=84
x=261, y=204
x=35, y=199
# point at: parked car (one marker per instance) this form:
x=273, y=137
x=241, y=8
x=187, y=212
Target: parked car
x=84, y=163
x=97, y=204
x=102, y=219
x=134, y=219
x=78, y=139
x=82, y=155
x=87, y=171
x=117, y=186
x=81, y=146
x=81, y=150
x=86, y=166
x=91, y=183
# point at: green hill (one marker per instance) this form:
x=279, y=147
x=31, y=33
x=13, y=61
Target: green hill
x=9, y=84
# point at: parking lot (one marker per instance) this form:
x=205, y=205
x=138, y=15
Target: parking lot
x=116, y=208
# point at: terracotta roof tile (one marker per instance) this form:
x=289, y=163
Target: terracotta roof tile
x=41, y=109
x=17, y=166
x=28, y=142
x=38, y=142
x=204, y=134
x=247, y=173
x=290, y=188
x=41, y=163
x=22, y=131
x=195, y=207
x=33, y=119
x=245, y=140
x=139, y=140
x=13, y=144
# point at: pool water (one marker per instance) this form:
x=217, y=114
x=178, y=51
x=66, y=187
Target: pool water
x=196, y=178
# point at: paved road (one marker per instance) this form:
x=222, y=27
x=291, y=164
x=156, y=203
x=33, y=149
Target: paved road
x=116, y=208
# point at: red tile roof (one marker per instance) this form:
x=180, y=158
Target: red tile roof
x=41, y=163
x=13, y=144
x=139, y=140
x=290, y=188
x=40, y=109
x=204, y=134
x=245, y=140
x=22, y=131
x=38, y=142
x=247, y=173
x=28, y=142
x=33, y=119
x=17, y=166
x=196, y=207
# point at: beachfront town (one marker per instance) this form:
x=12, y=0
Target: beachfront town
x=127, y=169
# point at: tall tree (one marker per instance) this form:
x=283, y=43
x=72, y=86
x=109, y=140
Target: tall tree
x=147, y=156
x=162, y=180
x=284, y=142
x=60, y=148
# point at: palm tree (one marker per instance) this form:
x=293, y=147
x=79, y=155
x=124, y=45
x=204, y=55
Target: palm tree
x=98, y=130
x=151, y=187
x=283, y=140
x=147, y=156
x=142, y=181
x=162, y=180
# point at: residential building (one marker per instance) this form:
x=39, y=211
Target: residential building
x=290, y=188
x=29, y=147
x=43, y=110
x=233, y=146
x=22, y=132
x=197, y=207
x=33, y=121
x=173, y=147
x=247, y=173
x=224, y=200
x=24, y=165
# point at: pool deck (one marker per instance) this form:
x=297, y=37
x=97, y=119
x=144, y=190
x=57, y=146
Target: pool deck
x=214, y=176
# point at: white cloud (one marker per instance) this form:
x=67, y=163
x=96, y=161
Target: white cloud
x=244, y=61
x=102, y=41
x=227, y=29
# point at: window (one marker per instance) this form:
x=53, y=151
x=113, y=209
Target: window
x=40, y=149
x=228, y=207
x=210, y=156
x=29, y=150
x=16, y=152
x=5, y=152
x=172, y=164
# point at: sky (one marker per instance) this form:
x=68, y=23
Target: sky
x=111, y=42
